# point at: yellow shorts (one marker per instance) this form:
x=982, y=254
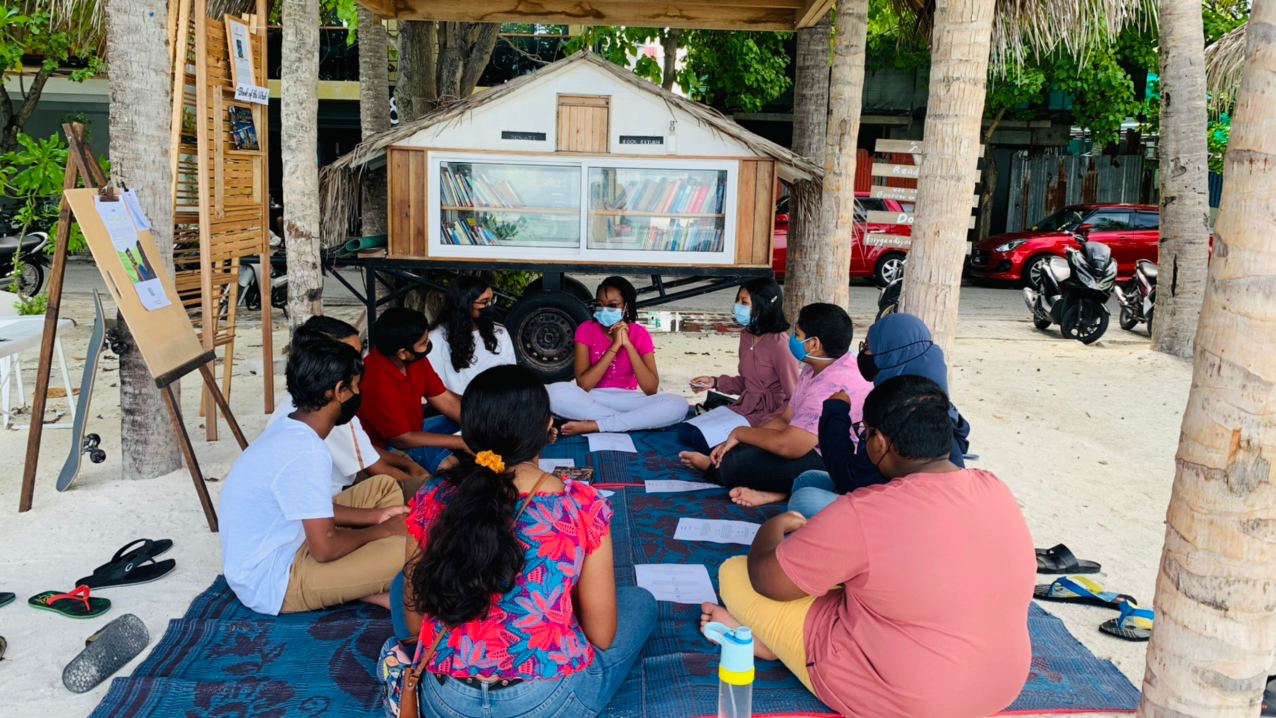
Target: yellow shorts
x=779, y=625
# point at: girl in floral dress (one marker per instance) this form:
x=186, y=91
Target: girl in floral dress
x=510, y=576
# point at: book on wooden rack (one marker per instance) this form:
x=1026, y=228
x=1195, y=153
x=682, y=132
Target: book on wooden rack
x=459, y=189
x=675, y=197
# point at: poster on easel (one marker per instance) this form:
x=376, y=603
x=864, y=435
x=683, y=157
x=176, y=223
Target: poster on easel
x=242, y=68
x=117, y=217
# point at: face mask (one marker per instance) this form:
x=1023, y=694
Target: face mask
x=743, y=314
x=798, y=347
x=349, y=408
x=868, y=367
x=487, y=313
x=608, y=316
x=416, y=355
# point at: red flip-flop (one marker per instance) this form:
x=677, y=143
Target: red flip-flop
x=76, y=604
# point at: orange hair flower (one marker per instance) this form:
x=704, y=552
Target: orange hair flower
x=490, y=460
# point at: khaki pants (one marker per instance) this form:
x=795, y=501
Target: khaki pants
x=777, y=624
x=366, y=571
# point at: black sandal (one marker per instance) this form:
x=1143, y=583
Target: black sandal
x=134, y=563
x=6, y=598
x=1059, y=559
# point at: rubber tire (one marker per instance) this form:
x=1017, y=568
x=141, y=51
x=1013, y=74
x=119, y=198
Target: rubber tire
x=31, y=281
x=1069, y=318
x=1151, y=316
x=1026, y=278
x=1127, y=320
x=879, y=278
x=1040, y=323
x=887, y=310
x=552, y=336
x=572, y=286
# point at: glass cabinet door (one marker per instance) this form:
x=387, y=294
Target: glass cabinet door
x=509, y=204
x=657, y=210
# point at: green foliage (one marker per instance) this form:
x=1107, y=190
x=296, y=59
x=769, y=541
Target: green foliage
x=1219, y=133
x=892, y=38
x=31, y=176
x=1103, y=92
x=1222, y=16
x=34, y=35
x=734, y=71
x=29, y=306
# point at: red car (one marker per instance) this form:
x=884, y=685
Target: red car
x=1132, y=231
x=883, y=259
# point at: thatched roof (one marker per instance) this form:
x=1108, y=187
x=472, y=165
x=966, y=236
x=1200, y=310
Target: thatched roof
x=1224, y=67
x=339, y=182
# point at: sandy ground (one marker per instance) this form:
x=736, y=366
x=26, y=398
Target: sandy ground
x=1085, y=436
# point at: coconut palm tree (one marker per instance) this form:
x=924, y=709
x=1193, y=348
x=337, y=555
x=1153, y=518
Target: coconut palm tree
x=1185, y=209
x=1215, y=628
x=140, y=106
x=299, y=120
x=810, y=125
x=374, y=110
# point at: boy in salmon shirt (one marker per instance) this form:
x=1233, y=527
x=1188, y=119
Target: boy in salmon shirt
x=908, y=598
x=396, y=378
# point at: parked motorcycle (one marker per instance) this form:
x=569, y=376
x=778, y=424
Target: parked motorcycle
x=888, y=297
x=1074, y=291
x=1138, y=296
x=30, y=249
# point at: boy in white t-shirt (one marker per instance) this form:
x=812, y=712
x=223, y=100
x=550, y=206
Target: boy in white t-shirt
x=287, y=543
x=351, y=448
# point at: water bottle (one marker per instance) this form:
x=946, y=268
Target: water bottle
x=735, y=670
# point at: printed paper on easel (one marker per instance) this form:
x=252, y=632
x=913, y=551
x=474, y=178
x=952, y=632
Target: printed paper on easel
x=137, y=266
x=135, y=209
x=241, y=59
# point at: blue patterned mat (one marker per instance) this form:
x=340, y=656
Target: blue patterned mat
x=221, y=659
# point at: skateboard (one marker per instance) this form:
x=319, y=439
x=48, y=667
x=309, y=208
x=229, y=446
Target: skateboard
x=82, y=443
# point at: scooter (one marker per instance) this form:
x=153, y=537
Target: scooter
x=1074, y=291
x=888, y=297
x=1138, y=296
x=30, y=249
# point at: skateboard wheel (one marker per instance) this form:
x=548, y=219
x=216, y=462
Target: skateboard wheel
x=92, y=441
x=97, y=456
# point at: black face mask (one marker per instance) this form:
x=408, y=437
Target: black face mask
x=487, y=313
x=349, y=408
x=868, y=367
x=416, y=355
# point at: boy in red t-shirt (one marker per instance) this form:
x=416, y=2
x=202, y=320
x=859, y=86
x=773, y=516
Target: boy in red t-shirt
x=396, y=378
x=908, y=598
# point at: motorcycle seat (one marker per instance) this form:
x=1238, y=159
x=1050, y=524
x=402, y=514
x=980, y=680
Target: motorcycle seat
x=9, y=243
x=1149, y=270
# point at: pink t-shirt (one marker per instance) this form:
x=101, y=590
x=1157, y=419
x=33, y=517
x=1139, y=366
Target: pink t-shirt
x=812, y=389
x=620, y=374
x=933, y=620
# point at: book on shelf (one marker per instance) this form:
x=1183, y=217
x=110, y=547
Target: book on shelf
x=243, y=131
x=679, y=196
x=459, y=189
x=679, y=238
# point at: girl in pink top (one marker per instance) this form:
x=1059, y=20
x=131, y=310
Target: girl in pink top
x=616, y=378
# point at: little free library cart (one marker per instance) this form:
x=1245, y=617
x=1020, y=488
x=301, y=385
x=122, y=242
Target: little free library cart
x=580, y=167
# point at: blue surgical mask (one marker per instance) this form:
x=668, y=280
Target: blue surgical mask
x=608, y=316
x=743, y=314
x=798, y=347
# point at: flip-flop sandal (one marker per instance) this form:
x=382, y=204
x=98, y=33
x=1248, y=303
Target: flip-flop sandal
x=1079, y=589
x=106, y=652
x=1134, y=624
x=6, y=598
x=4, y=645
x=1059, y=559
x=76, y=604
x=134, y=563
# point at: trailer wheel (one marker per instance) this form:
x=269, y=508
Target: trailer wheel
x=543, y=326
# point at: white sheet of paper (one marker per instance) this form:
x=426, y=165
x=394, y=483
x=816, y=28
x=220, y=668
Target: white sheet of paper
x=241, y=52
x=612, y=442
x=607, y=493
x=135, y=209
x=548, y=465
x=677, y=583
x=151, y=292
x=664, y=486
x=119, y=226
x=252, y=93
x=716, y=530
x=717, y=424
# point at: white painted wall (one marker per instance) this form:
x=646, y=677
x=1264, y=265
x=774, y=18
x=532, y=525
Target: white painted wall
x=534, y=108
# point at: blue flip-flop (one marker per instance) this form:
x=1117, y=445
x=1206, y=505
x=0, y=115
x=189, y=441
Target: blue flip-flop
x=1079, y=589
x=1134, y=623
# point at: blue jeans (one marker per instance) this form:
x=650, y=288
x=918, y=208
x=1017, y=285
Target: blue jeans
x=582, y=694
x=812, y=491
x=429, y=457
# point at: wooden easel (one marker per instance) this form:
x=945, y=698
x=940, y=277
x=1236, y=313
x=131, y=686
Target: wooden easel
x=82, y=167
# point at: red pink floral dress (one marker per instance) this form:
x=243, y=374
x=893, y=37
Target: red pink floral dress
x=531, y=632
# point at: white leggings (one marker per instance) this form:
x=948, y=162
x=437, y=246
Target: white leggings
x=617, y=409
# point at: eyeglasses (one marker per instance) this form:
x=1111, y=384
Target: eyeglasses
x=863, y=346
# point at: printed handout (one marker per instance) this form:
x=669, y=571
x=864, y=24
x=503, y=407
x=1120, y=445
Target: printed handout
x=715, y=530
x=548, y=465
x=117, y=217
x=612, y=442
x=676, y=583
x=717, y=424
x=666, y=486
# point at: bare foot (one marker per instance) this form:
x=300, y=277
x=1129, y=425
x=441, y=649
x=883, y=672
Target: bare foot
x=694, y=460
x=710, y=612
x=380, y=599
x=752, y=498
x=572, y=428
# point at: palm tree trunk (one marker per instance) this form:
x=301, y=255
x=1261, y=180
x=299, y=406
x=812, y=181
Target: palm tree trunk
x=415, y=93
x=1215, y=627
x=1185, y=210
x=300, y=121
x=374, y=112
x=670, y=70
x=954, y=110
x=137, y=43
x=810, y=128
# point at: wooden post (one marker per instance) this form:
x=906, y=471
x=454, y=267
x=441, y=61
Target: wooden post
x=188, y=451
x=220, y=400
x=262, y=117
x=80, y=165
